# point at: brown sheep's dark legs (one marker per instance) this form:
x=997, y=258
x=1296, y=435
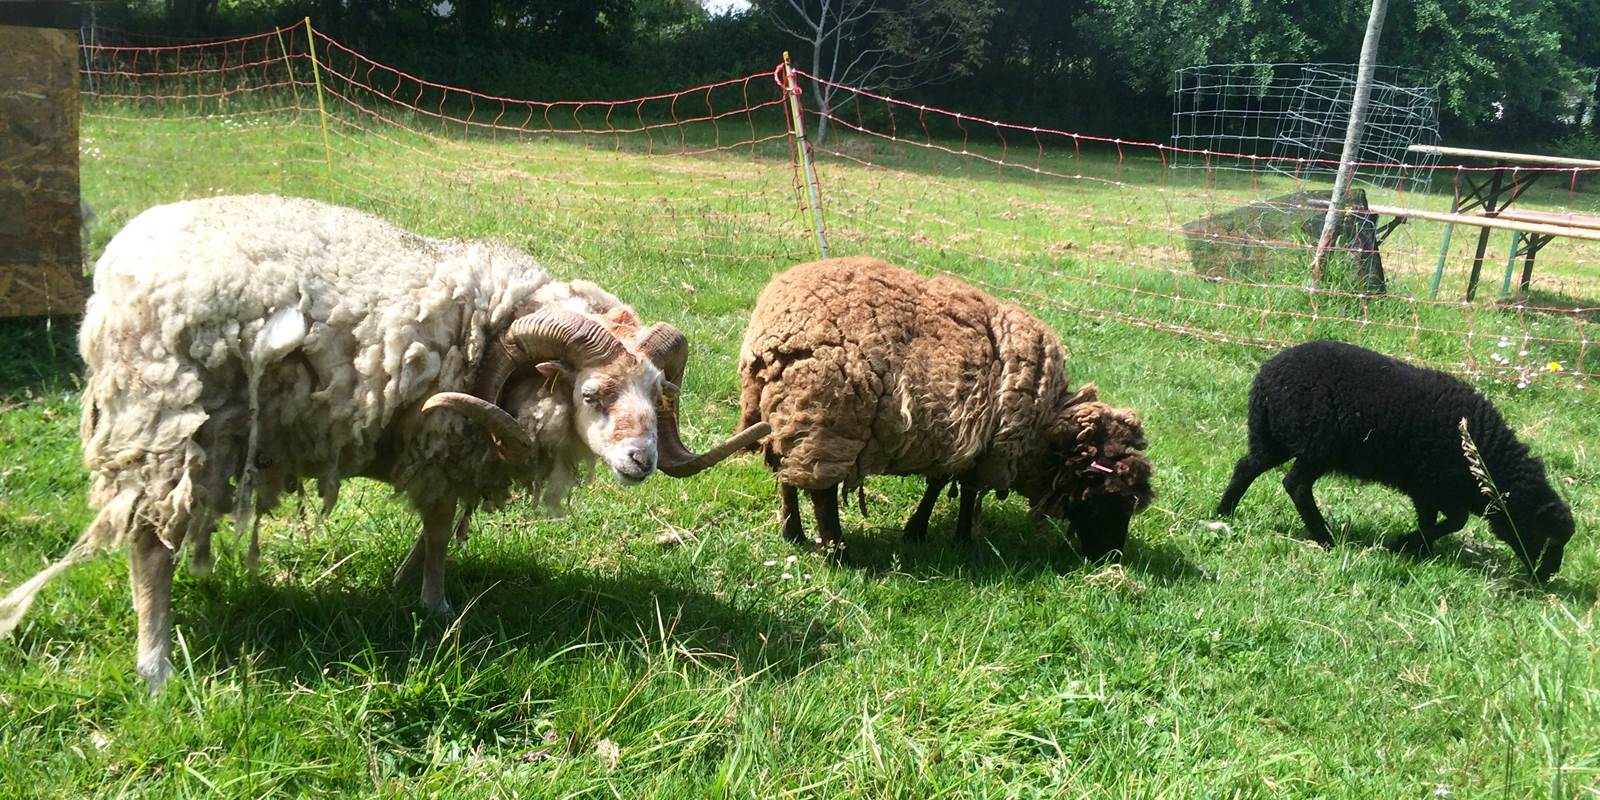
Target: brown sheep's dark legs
x=917, y=526
x=789, y=505
x=969, y=511
x=1298, y=484
x=826, y=504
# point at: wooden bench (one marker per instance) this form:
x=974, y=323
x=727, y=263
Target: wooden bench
x=1532, y=230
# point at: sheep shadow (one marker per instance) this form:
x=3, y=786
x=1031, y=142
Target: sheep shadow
x=298, y=633
x=1004, y=546
x=1495, y=561
x=1483, y=555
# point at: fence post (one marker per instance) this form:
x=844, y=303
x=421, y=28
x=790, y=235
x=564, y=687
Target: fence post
x=797, y=129
x=1444, y=249
x=288, y=64
x=322, y=109
x=1511, y=262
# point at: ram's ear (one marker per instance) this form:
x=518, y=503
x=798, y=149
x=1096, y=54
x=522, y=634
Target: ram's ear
x=553, y=370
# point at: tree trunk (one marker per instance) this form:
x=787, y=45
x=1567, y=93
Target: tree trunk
x=1594, y=117
x=822, y=92
x=1352, y=135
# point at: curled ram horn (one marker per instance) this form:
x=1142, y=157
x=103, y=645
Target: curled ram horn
x=513, y=440
x=544, y=335
x=668, y=349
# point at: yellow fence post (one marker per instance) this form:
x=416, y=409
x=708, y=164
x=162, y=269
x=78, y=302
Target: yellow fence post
x=792, y=89
x=322, y=108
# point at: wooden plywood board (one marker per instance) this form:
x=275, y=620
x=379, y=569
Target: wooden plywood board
x=41, y=256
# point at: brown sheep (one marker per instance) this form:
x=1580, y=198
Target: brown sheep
x=863, y=368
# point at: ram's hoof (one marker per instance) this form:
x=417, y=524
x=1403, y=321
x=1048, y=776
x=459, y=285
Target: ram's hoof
x=438, y=605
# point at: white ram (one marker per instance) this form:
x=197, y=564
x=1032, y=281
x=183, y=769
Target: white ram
x=237, y=346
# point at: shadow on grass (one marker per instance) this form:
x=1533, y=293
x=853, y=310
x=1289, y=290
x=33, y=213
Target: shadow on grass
x=1583, y=308
x=1496, y=561
x=38, y=354
x=1491, y=558
x=1005, y=545
x=509, y=612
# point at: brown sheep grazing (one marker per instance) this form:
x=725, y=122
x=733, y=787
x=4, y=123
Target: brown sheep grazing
x=863, y=368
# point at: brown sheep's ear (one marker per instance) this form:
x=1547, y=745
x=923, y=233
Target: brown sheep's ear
x=1088, y=393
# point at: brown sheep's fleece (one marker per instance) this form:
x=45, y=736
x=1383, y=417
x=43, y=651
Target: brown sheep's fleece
x=863, y=368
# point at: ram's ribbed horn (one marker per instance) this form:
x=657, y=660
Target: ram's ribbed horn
x=678, y=461
x=544, y=335
x=492, y=417
x=668, y=349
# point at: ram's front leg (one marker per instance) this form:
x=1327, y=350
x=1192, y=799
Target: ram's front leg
x=435, y=542
x=428, y=553
x=408, y=565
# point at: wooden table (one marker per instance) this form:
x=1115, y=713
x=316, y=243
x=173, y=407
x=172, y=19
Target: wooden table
x=1488, y=200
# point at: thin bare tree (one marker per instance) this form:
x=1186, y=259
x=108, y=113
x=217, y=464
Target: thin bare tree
x=881, y=45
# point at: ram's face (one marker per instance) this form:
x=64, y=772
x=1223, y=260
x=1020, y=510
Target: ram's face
x=615, y=385
x=614, y=409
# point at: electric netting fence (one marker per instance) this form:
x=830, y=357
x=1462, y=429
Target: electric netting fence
x=703, y=173
x=1078, y=228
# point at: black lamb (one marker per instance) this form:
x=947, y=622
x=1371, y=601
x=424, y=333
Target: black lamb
x=1335, y=407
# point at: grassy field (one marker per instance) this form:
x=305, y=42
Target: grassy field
x=590, y=659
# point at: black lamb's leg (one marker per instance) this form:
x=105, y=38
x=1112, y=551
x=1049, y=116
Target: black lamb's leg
x=1298, y=484
x=1453, y=521
x=1244, y=473
x=917, y=525
x=825, y=503
x=789, y=502
x=1416, y=541
x=969, y=511
x=1428, y=531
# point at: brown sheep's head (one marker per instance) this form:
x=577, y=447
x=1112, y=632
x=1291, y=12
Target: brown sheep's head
x=1095, y=477
x=615, y=382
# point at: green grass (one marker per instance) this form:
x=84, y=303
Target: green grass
x=1220, y=660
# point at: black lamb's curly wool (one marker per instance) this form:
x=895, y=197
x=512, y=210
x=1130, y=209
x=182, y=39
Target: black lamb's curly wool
x=1335, y=407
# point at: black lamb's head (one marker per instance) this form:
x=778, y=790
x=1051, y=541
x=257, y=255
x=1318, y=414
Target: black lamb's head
x=1095, y=476
x=1537, y=528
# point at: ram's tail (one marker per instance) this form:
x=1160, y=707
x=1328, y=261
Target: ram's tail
x=106, y=531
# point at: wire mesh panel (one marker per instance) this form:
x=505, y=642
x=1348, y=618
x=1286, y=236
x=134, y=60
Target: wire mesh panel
x=700, y=173
x=1294, y=116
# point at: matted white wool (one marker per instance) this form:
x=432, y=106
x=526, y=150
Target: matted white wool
x=237, y=345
